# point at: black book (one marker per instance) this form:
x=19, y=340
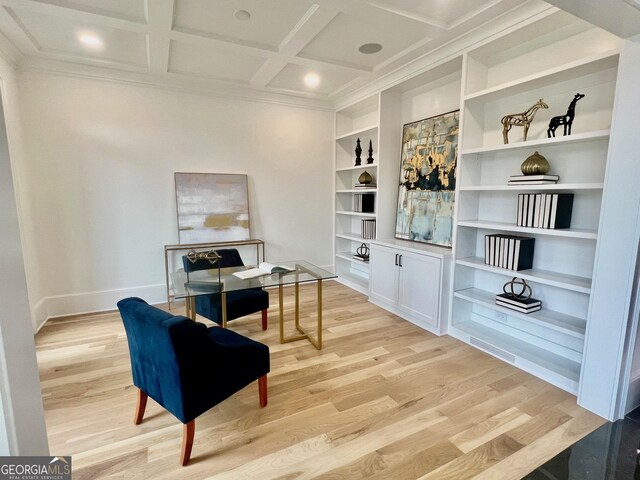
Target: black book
x=368, y=202
x=518, y=302
x=518, y=309
x=523, y=254
x=561, y=207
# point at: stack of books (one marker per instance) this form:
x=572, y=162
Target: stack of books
x=509, y=251
x=364, y=202
x=368, y=227
x=365, y=185
x=532, y=179
x=545, y=210
x=362, y=258
x=522, y=305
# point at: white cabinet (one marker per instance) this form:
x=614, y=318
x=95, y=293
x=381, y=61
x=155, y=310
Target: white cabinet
x=408, y=280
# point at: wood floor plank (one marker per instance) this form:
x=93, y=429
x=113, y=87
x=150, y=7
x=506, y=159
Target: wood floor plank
x=382, y=400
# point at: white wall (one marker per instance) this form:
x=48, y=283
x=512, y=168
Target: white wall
x=22, y=426
x=98, y=187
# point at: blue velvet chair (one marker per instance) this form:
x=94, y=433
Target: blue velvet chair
x=239, y=303
x=186, y=367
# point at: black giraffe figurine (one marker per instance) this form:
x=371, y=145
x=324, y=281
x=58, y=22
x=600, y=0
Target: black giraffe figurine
x=566, y=120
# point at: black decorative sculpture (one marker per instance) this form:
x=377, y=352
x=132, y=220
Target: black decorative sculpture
x=358, y=152
x=566, y=120
x=363, y=251
x=370, y=157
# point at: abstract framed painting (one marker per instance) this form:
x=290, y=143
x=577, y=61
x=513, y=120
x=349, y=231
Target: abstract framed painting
x=426, y=193
x=212, y=207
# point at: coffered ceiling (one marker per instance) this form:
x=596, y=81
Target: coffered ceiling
x=250, y=46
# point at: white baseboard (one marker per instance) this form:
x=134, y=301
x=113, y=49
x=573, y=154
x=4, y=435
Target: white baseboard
x=91, y=302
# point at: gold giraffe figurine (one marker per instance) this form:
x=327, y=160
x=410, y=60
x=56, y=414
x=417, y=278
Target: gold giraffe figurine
x=523, y=119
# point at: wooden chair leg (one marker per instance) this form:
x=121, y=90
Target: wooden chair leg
x=188, y=431
x=140, y=406
x=264, y=319
x=262, y=390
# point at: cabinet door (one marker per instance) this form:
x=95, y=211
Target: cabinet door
x=419, y=287
x=383, y=272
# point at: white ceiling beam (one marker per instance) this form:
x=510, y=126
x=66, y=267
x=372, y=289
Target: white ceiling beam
x=101, y=19
x=15, y=30
x=160, y=18
x=434, y=22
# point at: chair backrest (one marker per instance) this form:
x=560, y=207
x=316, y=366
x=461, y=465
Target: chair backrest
x=165, y=350
x=229, y=257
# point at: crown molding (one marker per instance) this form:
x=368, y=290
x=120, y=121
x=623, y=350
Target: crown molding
x=501, y=25
x=197, y=85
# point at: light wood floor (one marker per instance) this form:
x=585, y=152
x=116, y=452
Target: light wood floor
x=383, y=400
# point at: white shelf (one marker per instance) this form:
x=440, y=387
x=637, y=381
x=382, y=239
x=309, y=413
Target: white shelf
x=349, y=258
x=356, y=214
x=357, y=190
x=361, y=131
x=510, y=227
x=566, y=72
x=540, y=142
x=518, y=188
x=556, y=321
x=352, y=237
x=555, y=365
x=359, y=167
x=545, y=277
x=357, y=282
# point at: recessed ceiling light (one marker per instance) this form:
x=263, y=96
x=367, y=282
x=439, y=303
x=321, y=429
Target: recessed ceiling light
x=241, y=15
x=312, y=80
x=369, y=48
x=90, y=40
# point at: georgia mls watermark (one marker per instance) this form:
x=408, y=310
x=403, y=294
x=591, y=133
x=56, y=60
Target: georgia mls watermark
x=35, y=468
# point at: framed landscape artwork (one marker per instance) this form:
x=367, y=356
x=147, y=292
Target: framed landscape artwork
x=212, y=207
x=428, y=179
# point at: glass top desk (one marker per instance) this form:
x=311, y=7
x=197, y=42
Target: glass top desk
x=221, y=280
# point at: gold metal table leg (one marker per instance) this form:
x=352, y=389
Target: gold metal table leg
x=190, y=304
x=317, y=341
x=223, y=301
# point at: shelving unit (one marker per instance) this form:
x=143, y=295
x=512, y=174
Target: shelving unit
x=508, y=75
x=359, y=120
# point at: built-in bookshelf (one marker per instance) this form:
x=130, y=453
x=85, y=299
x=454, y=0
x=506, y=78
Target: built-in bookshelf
x=504, y=76
x=359, y=120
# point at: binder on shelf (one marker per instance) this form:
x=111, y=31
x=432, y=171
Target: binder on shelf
x=544, y=210
x=561, y=208
x=509, y=251
x=364, y=202
x=368, y=228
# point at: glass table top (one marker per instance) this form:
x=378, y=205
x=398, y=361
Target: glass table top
x=216, y=280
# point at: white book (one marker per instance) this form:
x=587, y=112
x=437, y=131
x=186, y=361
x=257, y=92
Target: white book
x=487, y=240
x=492, y=250
x=519, y=213
x=510, y=256
x=518, y=309
x=503, y=250
x=536, y=212
x=554, y=208
x=532, y=205
x=547, y=211
x=525, y=210
x=516, y=253
x=543, y=196
x=263, y=269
